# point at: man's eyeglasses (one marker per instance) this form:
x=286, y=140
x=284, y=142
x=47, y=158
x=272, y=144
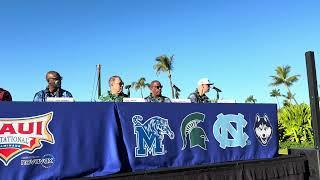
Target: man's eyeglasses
x=120, y=83
x=54, y=79
x=158, y=87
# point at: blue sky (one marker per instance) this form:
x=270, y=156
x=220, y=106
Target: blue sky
x=236, y=44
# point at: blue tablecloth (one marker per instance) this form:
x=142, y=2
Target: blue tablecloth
x=59, y=140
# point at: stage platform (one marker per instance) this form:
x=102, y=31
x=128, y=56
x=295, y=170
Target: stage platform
x=287, y=167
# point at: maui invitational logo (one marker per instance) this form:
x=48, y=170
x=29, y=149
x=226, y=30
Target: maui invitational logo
x=189, y=127
x=150, y=134
x=23, y=135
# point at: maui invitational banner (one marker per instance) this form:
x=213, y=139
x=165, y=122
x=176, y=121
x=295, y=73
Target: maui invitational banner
x=65, y=140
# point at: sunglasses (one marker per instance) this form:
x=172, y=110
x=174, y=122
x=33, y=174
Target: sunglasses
x=120, y=83
x=55, y=79
x=158, y=87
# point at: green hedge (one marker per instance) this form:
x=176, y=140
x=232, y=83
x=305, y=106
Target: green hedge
x=295, y=129
x=289, y=144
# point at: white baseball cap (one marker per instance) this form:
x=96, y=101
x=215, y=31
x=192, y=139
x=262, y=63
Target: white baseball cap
x=204, y=81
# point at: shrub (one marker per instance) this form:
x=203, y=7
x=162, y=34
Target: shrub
x=295, y=125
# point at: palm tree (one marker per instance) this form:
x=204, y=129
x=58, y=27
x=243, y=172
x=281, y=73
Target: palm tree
x=288, y=97
x=276, y=93
x=286, y=102
x=165, y=64
x=140, y=84
x=282, y=78
x=251, y=99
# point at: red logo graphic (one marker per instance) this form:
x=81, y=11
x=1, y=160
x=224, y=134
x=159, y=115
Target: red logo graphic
x=23, y=135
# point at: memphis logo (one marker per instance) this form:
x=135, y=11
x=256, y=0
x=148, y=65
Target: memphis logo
x=150, y=134
x=23, y=135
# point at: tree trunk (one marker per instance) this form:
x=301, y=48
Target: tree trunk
x=141, y=92
x=172, y=93
x=278, y=102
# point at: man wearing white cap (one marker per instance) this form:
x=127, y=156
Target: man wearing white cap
x=199, y=96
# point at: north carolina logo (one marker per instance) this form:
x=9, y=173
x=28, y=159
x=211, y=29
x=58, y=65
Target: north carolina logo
x=150, y=134
x=223, y=127
x=197, y=136
x=23, y=135
x=263, y=129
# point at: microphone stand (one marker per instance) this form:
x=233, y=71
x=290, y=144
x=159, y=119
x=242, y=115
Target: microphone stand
x=218, y=91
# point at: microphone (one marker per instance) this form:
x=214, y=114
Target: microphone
x=127, y=86
x=57, y=83
x=217, y=89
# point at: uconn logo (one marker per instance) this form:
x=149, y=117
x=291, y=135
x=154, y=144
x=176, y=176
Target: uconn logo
x=263, y=129
x=150, y=134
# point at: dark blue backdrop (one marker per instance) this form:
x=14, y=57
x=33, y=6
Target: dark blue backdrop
x=95, y=139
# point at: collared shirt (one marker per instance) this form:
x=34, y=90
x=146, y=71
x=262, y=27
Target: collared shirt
x=196, y=98
x=5, y=95
x=161, y=98
x=113, y=97
x=42, y=95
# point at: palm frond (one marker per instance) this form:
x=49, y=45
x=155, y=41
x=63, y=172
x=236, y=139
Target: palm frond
x=250, y=99
x=275, y=93
x=159, y=67
x=139, y=84
x=165, y=63
x=276, y=81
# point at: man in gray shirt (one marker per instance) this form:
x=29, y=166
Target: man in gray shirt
x=199, y=95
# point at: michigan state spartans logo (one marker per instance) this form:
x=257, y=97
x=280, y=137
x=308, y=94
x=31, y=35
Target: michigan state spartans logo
x=150, y=134
x=189, y=127
x=228, y=130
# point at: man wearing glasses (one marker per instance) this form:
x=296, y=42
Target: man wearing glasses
x=199, y=96
x=116, y=90
x=53, y=89
x=155, y=95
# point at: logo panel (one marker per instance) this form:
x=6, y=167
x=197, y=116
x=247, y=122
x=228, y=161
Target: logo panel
x=150, y=134
x=23, y=135
x=263, y=129
x=45, y=161
x=189, y=127
x=223, y=127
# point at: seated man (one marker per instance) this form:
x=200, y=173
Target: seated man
x=199, y=95
x=53, y=89
x=116, y=90
x=5, y=95
x=155, y=95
